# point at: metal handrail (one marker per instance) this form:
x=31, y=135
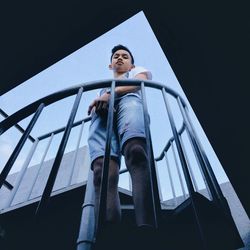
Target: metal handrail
x=168, y=144
x=37, y=107
x=59, y=130
x=26, y=111
x=20, y=144
x=59, y=95
x=29, y=109
x=52, y=177
x=18, y=127
x=161, y=156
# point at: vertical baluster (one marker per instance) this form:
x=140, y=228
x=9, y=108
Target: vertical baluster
x=102, y=203
x=152, y=171
x=185, y=170
x=21, y=174
x=39, y=167
x=86, y=235
x=189, y=165
x=75, y=154
x=209, y=176
x=53, y=173
x=178, y=170
x=204, y=176
x=158, y=181
x=178, y=145
x=20, y=144
x=170, y=178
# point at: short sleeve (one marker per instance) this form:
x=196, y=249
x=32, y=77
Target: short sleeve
x=139, y=69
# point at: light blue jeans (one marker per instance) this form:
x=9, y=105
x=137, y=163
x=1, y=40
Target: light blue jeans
x=128, y=123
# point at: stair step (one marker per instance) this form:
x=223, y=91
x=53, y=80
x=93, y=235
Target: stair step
x=177, y=230
x=59, y=228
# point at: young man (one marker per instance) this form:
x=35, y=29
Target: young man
x=128, y=138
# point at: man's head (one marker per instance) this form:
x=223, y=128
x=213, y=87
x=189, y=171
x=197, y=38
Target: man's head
x=121, y=47
x=121, y=59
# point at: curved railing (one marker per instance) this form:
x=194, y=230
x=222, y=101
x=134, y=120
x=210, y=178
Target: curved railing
x=179, y=152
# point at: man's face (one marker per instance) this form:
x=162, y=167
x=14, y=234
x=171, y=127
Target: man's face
x=121, y=61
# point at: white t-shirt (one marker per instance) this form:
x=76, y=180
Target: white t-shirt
x=130, y=75
x=137, y=70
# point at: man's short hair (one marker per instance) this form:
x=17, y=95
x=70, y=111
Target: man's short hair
x=118, y=47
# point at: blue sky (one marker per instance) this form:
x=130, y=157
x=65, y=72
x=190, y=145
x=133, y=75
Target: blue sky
x=90, y=63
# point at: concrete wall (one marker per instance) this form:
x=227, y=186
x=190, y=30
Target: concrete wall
x=25, y=191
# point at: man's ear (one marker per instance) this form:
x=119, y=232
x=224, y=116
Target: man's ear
x=110, y=67
x=132, y=66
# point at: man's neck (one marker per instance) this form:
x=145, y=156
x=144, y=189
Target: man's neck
x=119, y=74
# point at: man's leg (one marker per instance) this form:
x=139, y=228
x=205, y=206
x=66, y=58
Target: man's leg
x=113, y=213
x=136, y=159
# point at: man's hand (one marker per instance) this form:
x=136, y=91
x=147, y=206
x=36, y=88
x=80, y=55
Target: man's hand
x=100, y=104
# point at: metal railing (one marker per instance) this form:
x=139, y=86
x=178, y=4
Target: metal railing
x=175, y=144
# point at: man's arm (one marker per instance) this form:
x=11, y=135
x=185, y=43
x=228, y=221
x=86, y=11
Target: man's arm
x=126, y=89
x=100, y=103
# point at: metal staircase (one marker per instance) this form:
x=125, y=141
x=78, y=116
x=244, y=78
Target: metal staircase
x=60, y=222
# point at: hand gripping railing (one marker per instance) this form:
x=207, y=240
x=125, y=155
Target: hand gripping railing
x=37, y=107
